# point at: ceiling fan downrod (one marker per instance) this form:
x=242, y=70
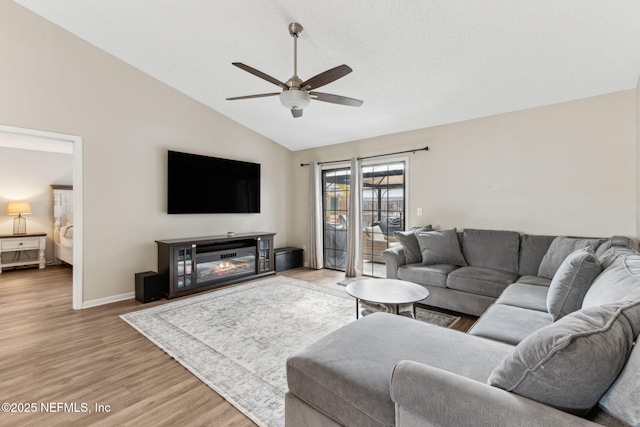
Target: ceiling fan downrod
x=295, y=98
x=295, y=30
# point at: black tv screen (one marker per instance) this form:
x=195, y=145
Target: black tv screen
x=202, y=184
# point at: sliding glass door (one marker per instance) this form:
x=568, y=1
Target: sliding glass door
x=383, y=213
x=336, y=187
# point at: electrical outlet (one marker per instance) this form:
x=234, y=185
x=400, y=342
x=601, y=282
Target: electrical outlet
x=419, y=212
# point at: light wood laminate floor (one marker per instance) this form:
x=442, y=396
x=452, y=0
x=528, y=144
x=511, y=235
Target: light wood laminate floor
x=68, y=361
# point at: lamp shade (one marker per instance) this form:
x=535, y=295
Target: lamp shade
x=17, y=208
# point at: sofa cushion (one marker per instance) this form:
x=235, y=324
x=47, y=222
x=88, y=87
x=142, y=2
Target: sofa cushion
x=435, y=275
x=571, y=363
x=532, y=250
x=558, y=251
x=346, y=373
x=614, y=283
x=534, y=280
x=389, y=225
x=610, y=255
x=509, y=324
x=525, y=295
x=621, y=400
x=571, y=282
x=617, y=242
x=440, y=247
x=409, y=243
x=481, y=281
x=494, y=249
x=375, y=233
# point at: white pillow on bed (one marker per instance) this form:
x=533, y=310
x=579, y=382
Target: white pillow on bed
x=66, y=231
x=66, y=235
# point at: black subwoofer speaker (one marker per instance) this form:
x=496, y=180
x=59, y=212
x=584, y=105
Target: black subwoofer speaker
x=288, y=258
x=149, y=286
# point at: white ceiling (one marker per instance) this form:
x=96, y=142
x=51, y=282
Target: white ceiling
x=416, y=64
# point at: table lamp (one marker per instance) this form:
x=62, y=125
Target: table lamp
x=19, y=222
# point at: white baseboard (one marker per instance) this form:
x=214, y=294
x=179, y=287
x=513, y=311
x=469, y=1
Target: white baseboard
x=108, y=300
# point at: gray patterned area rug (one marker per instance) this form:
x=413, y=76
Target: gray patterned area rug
x=237, y=340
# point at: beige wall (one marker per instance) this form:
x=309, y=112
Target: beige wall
x=55, y=82
x=563, y=169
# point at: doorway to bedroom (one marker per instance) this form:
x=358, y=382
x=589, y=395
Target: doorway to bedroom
x=27, y=185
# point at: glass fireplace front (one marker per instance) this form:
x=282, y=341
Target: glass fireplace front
x=212, y=266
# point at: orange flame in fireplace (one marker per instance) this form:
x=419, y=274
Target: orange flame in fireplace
x=226, y=266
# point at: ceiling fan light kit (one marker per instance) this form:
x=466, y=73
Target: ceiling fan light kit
x=296, y=94
x=295, y=99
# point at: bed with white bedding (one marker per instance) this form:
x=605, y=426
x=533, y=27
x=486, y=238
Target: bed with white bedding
x=63, y=223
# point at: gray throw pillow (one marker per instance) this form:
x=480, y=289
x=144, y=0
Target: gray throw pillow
x=570, y=364
x=409, y=243
x=615, y=283
x=571, y=282
x=558, y=251
x=440, y=247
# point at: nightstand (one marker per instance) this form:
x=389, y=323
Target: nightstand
x=23, y=242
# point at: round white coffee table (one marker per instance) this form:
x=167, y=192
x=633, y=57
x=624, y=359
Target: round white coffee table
x=387, y=291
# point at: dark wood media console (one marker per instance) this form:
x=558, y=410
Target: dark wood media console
x=201, y=263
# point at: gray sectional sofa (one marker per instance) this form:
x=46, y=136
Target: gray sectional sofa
x=546, y=351
x=486, y=263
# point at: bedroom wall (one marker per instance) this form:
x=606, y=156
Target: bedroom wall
x=27, y=175
x=562, y=169
x=56, y=82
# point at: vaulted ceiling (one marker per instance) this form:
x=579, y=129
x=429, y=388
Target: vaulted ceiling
x=416, y=63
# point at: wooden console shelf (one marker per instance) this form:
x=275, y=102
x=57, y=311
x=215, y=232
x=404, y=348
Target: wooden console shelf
x=200, y=263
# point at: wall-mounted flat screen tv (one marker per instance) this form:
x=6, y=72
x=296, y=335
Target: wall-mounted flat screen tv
x=203, y=184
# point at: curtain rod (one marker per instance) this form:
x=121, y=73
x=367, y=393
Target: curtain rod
x=371, y=157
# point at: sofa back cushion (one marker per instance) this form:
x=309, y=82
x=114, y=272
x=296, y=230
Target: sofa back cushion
x=617, y=281
x=532, y=250
x=558, y=251
x=571, y=282
x=494, y=249
x=440, y=247
x=571, y=363
x=617, y=242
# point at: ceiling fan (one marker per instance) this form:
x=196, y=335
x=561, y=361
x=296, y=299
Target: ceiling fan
x=296, y=93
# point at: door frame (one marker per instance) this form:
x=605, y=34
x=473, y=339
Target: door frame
x=78, y=211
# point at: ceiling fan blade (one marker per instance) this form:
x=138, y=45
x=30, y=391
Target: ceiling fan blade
x=335, y=99
x=326, y=77
x=262, y=95
x=260, y=74
x=296, y=113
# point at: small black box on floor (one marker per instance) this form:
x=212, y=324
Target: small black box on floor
x=149, y=286
x=288, y=258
